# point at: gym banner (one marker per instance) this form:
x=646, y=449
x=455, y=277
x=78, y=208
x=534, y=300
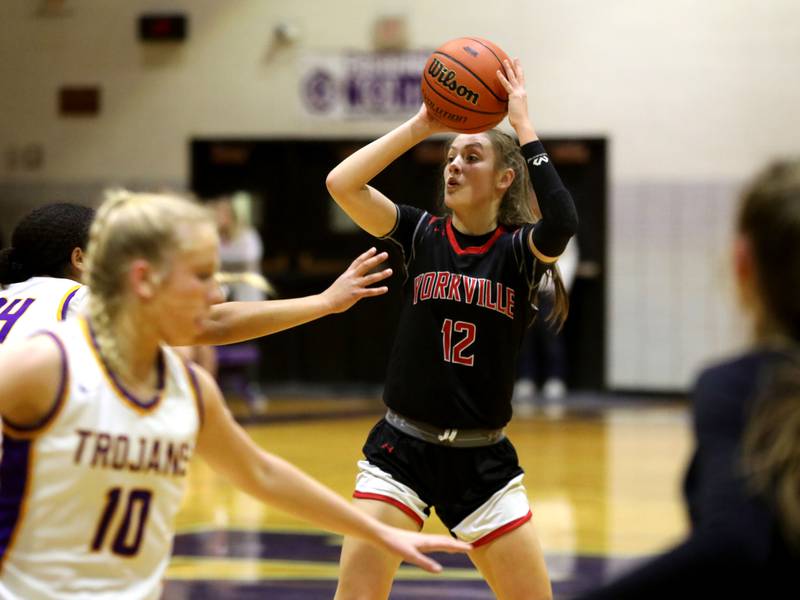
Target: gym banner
x=361, y=85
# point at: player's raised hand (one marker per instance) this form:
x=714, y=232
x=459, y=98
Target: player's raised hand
x=354, y=284
x=411, y=546
x=512, y=78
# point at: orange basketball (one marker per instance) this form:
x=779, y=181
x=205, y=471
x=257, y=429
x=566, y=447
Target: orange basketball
x=460, y=85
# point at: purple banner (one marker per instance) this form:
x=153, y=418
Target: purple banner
x=362, y=85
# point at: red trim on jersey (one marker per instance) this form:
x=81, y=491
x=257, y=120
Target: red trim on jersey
x=511, y=526
x=472, y=249
x=392, y=501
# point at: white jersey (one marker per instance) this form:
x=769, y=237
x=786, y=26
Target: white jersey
x=89, y=495
x=29, y=306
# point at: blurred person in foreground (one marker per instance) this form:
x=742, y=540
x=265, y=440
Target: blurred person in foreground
x=742, y=487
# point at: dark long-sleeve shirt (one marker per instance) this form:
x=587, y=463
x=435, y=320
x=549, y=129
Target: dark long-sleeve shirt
x=735, y=549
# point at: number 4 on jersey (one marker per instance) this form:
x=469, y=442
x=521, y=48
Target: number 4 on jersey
x=455, y=353
x=9, y=315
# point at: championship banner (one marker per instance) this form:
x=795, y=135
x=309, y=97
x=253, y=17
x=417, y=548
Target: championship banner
x=361, y=85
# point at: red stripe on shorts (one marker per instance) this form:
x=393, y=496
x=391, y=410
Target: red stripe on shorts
x=393, y=502
x=511, y=526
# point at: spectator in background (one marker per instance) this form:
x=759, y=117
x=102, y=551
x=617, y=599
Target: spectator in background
x=543, y=356
x=240, y=252
x=241, y=249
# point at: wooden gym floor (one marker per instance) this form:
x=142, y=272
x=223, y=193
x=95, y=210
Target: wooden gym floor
x=604, y=483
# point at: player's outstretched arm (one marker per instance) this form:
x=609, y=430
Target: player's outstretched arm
x=232, y=322
x=347, y=182
x=226, y=447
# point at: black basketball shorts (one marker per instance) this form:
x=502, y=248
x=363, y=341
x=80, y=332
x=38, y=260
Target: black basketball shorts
x=477, y=492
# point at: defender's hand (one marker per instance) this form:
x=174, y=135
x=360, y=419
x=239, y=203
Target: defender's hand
x=353, y=285
x=411, y=546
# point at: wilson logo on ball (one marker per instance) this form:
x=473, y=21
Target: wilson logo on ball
x=447, y=79
x=460, y=86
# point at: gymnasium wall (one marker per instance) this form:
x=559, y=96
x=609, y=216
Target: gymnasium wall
x=693, y=97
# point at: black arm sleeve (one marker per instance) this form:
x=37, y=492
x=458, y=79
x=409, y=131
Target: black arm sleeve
x=559, y=218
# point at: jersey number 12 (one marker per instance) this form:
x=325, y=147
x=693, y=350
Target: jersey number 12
x=456, y=352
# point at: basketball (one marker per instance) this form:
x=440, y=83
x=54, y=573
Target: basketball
x=460, y=85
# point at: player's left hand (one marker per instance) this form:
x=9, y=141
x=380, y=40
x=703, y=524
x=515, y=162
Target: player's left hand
x=512, y=78
x=353, y=285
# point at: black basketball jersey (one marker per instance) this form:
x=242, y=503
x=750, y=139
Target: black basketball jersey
x=465, y=311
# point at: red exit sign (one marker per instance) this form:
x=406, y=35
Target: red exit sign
x=163, y=27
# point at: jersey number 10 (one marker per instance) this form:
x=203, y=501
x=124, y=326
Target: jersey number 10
x=455, y=353
x=135, y=517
